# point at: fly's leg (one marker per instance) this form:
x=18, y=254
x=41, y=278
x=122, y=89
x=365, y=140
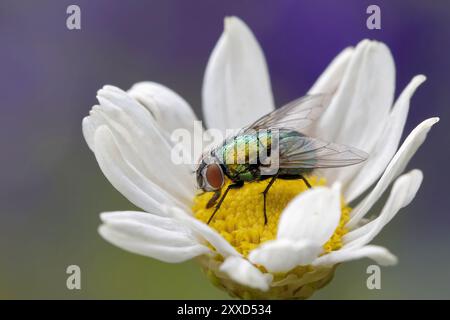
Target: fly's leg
x=213, y=199
x=266, y=190
x=236, y=185
x=305, y=181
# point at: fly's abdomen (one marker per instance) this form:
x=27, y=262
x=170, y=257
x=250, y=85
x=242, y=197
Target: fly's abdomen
x=246, y=157
x=289, y=142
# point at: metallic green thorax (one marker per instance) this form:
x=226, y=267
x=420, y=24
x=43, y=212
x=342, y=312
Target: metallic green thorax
x=243, y=156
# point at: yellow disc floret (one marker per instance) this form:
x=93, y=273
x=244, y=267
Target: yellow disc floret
x=240, y=219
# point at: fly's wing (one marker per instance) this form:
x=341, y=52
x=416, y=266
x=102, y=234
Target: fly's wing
x=302, y=151
x=310, y=153
x=295, y=115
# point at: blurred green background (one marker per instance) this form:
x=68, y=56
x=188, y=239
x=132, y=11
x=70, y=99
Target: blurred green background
x=52, y=189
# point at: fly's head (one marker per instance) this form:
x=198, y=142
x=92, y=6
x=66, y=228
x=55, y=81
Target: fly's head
x=210, y=176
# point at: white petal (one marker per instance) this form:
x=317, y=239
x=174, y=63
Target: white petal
x=158, y=230
x=282, y=255
x=312, y=216
x=133, y=185
x=395, y=167
x=139, y=140
x=380, y=255
x=360, y=107
x=243, y=272
x=204, y=231
x=89, y=126
x=141, y=133
x=305, y=225
x=403, y=192
x=236, y=87
x=387, y=144
x=331, y=78
x=157, y=237
x=144, y=218
x=168, y=109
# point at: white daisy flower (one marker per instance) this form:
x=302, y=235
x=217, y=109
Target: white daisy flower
x=309, y=231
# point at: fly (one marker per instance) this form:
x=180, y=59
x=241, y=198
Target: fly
x=276, y=138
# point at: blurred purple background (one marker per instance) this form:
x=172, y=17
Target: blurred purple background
x=52, y=189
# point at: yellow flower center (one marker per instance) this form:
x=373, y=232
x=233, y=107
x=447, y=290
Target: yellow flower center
x=240, y=219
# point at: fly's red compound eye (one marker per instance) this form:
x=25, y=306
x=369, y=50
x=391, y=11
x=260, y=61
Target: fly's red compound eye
x=214, y=176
